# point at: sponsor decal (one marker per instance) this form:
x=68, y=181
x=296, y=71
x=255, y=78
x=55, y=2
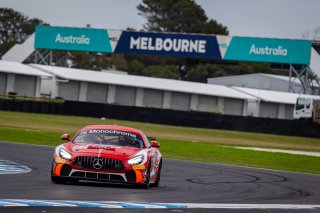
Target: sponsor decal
x=223, y=42
x=140, y=166
x=113, y=132
x=84, y=132
x=114, y=36
x=81, y=147
x=59, y=160
x=101, y=147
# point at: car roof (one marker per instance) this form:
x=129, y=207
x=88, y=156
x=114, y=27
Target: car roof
x=113, y=127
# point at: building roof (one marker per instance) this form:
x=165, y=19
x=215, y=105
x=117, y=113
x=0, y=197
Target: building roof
x=279, y=77
x=143, y=82
x=273, y=96
x=18, y=68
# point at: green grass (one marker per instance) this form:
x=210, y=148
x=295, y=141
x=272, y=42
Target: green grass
x=228, y=155
x=176, y=142
x=29, y=136
x=20, y=98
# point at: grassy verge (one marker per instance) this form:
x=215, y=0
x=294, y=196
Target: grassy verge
x=176, y=142
x=20, y=98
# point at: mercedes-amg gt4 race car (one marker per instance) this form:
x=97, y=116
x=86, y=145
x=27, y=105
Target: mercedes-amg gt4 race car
x=108, y=153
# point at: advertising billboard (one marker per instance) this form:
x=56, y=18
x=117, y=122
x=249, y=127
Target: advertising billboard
x=73, y=39
x=286, y=51
x=169, y=44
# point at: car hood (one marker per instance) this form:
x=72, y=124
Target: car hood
x=95, y=150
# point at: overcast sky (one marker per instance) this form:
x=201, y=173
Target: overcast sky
x=256, y=18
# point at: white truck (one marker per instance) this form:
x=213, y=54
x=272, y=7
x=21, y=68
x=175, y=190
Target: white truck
x=307, y=109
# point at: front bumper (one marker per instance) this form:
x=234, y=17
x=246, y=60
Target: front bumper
x=65, y=170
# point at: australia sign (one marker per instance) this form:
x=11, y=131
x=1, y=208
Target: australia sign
x=286, y=51
x=219, y=47
x=73, y=39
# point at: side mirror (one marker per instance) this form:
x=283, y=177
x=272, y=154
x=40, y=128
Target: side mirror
x=155, y=144
x=65, y=137
x=151, y=138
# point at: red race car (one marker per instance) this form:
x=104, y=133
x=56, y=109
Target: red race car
x=108, y=153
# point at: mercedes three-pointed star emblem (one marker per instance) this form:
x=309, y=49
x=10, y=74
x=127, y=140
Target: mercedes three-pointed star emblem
x=97, y=163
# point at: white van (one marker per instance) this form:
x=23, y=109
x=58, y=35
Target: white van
x=307, y=108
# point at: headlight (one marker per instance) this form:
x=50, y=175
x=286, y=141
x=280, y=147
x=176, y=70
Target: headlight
x=136, y=160
x=63, y=153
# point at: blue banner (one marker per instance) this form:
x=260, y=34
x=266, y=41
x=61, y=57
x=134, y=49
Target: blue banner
x=166, y=44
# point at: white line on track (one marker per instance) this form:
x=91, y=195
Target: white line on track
x=5, y=204
x=10, y=167
x=251, y=206
x=285, y=151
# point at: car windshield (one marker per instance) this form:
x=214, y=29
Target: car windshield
x=109, y=137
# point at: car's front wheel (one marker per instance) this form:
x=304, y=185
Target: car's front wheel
x=157, y=183
x=146, y=184
x=59, y=180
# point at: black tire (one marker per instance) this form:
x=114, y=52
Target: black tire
x=59, y=180
x=157, y=183
x=147, y=183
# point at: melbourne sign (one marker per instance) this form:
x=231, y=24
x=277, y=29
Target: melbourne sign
x=165, y=44
x=266, y=50
x=235, y=48
x=77, y=39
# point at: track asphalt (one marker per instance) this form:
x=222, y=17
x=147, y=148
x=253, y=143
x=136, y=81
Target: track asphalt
x=181, y=182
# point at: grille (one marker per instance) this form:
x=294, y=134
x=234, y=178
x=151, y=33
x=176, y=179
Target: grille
x=98, y=176
x=107, y=163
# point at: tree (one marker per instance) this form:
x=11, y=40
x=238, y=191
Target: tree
x=119, y=62
x=183, y=16
x=315, y=37
x=168, y=71
x=14, y=28
x=90, y=61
